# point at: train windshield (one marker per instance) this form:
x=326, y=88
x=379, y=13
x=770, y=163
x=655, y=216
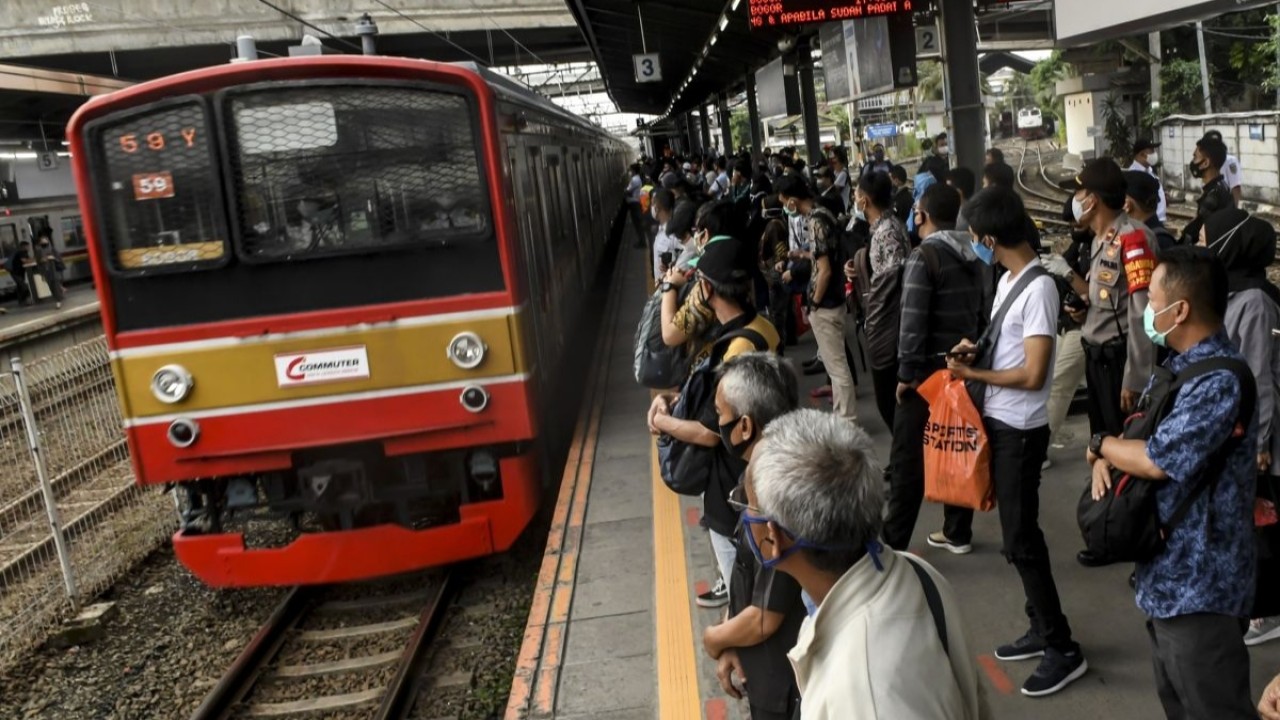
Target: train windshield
x=159, y=189
x=289, y=197
x=336, y=170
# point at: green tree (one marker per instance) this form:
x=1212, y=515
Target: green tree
x=1044, y=79
x=929, y=84
x=740, y=127
x=1181, y=90
x=1117, y=129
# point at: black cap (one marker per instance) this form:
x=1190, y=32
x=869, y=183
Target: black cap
x=1144, y=189
x=1144, y=145
x=724, y=260
x=1104, y=177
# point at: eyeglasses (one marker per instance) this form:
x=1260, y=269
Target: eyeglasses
x=738, y=501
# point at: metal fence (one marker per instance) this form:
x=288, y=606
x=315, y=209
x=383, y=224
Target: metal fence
x=72, y=521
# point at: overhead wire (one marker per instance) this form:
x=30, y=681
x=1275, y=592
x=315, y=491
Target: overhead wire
x=477, y=58
x=311, y=25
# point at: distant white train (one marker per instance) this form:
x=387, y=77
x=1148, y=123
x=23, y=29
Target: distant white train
x=1031, y=123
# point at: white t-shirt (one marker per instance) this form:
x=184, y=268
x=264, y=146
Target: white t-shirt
x=1231, y=172
x=1034, y=313
x=664, y=243
x=1162, y=210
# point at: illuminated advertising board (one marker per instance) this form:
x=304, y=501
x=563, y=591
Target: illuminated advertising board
x=776, y=13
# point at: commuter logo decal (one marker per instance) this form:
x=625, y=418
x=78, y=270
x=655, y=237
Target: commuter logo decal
x=321, y=366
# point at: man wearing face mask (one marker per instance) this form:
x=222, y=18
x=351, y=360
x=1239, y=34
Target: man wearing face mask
x=828, y=193
x=1145, y=159
x=1122, y=258
x=1206, y=164
x=1014, y=363
x=665, y=247
x=840, y=166
x=724, y=280
x=887, y=640
x=881, y=290
x=877, y=162
x=1197, y=592
x=825, y=291
x=765, y=610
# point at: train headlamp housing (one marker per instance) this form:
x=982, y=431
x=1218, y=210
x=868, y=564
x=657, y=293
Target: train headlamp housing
x=171, y=384
x=467, y=350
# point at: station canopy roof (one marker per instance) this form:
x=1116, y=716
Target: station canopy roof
x=678, y=31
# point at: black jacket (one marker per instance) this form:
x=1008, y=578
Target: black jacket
x=1215, y=196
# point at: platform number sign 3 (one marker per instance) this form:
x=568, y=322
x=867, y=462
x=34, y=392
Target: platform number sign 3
x=927, y=42
x=648, y=68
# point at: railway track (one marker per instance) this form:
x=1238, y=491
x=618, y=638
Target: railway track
x=319, y=652
x=1045, y=206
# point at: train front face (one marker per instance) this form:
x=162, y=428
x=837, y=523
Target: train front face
x=306, y=276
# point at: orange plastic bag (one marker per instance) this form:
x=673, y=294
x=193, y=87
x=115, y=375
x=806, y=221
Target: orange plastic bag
x=957, y=456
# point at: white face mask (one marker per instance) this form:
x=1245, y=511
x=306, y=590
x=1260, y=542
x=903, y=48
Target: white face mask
x=943, y=150
x=1077, y=209
x=1153, y=158
x=654, y=212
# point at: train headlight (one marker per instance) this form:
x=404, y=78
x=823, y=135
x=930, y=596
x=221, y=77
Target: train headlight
x=171, y=384
x=467, y=350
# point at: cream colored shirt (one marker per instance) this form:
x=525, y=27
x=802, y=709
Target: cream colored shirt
x=872, y=651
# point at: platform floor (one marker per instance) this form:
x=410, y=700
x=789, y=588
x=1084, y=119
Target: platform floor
x=22, y=320
x=621, y=636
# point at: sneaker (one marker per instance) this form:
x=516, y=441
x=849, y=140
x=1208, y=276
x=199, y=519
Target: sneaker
x=1262, y=630
x=940, y=540
x=717, y=596
x=1056, y=671
x=1024, y=648
x=1046, y=464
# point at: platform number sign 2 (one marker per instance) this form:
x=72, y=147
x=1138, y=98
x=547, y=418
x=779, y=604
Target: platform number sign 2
x=927, y=42
x=648, y=68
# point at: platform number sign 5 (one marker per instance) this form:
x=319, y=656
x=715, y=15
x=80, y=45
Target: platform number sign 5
x=47, y=160
x=928, y=44
x=648, y=68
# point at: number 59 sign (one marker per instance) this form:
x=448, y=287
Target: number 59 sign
x=152, y=186
x=648, y=69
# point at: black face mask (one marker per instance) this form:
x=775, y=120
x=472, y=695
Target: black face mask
x=726, y=439
x=1196, y=170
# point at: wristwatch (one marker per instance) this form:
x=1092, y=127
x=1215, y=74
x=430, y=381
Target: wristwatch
x=666, y=287
x=1095, y=443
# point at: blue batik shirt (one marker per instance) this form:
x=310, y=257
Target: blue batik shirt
x=1208, y=565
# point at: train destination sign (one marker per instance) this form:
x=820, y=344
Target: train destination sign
x=773, y=13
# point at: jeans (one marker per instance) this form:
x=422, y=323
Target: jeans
x=828, y=330
x=1016, y=457
x=1201, y=667
x=725, y=551
x=1068, y=371
x=906, y=479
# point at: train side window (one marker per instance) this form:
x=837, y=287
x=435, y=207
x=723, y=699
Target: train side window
x=8, y=240
x=72, y=232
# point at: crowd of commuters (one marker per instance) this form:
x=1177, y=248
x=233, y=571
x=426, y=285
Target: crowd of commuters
x=945, y=271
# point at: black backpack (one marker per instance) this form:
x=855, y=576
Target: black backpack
x=1124, y=526
x=687, y=469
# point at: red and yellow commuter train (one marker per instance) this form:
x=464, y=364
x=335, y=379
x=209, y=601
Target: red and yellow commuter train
x=335, y=291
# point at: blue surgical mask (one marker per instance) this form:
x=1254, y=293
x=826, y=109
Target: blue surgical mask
x=984, y=253
x=1149, y=324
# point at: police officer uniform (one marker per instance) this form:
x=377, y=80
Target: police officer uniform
x=1119, y=354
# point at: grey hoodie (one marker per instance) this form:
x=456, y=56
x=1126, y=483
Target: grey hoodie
x=942, y=303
